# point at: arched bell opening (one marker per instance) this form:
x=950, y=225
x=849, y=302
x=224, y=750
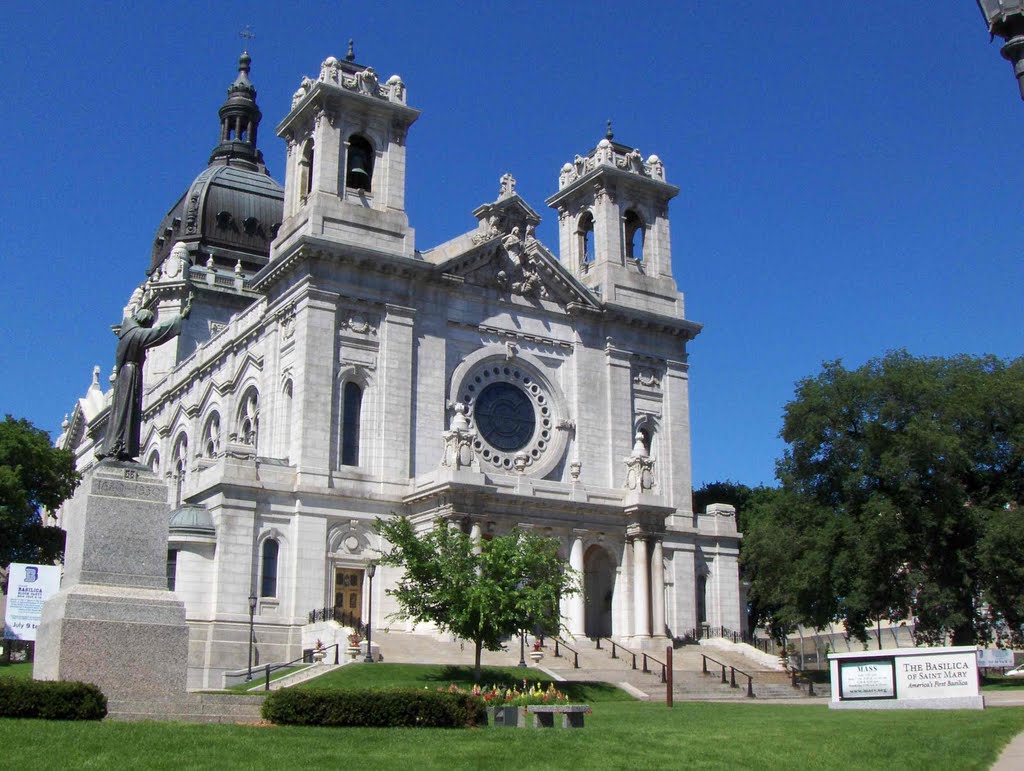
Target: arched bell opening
x=359, y=169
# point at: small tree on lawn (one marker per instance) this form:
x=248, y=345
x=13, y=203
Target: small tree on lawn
x=512, y=582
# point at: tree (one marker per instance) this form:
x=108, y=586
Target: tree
x=902, y=465
x=485, y=594
x=34, y=475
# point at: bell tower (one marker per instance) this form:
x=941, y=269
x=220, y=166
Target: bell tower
x=613, y=226
x=345, y=176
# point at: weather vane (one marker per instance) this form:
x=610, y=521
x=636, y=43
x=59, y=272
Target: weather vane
x=247, y=34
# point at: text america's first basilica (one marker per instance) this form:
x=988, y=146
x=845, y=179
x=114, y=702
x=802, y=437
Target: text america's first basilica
x=331, y=372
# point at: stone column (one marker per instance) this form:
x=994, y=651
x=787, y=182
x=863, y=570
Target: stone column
x=657, y=590
x=641, y=595
x=475, y=536
x=577, y=603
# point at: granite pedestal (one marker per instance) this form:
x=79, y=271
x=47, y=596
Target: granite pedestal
x=113, y=622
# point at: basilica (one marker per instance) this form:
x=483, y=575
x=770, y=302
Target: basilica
x=332, y=371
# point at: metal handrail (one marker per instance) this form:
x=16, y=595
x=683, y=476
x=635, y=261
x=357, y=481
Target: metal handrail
x=560, y=643
x=274, y=667
x=649, y=657
x=799, y=678
x=615, y=647
x=645, y=657
x=731, y=680
x=338, y=615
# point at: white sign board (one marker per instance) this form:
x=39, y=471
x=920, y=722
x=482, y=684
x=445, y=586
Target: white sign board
x=867, y=679
x=28, y=587
x=995, y=657
x=906, y=678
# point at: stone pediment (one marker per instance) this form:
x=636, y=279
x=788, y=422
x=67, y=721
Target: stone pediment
x=518, y=265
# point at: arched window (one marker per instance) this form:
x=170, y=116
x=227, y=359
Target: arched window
x=306, y=169
x=268, y=568
x=634, y=236
x=179, y=465
x=249, y=417
x=211, y=436
x=585, y=238
x=359, y=169
x=154, y=462
x=352, y=406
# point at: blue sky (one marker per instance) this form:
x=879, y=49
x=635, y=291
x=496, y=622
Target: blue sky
x=850, y=178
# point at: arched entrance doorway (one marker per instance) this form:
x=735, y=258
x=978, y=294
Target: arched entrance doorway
x=598, y=588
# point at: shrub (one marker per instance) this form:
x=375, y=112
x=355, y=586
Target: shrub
x=374, y=708
x=51, y=700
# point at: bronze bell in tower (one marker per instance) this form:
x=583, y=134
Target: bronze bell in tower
x=360, y=164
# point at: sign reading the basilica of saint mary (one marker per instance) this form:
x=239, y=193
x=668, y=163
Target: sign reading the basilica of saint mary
x=906, y=678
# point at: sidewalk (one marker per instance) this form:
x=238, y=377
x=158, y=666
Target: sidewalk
x=1012, y=756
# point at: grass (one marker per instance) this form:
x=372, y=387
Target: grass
x=22, y=670
x=619, y=735
x=1000, y=683
x=436, y=676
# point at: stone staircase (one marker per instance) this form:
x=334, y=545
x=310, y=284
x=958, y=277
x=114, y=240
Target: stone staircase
x=689, y=681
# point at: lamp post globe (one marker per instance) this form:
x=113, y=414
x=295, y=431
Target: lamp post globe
x=1005, y=19
x=371, y=568
x=252, y=614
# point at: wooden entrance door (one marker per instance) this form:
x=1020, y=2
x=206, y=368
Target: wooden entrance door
x=348, y=593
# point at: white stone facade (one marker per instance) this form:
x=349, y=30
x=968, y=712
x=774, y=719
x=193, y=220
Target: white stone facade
x=486, y=381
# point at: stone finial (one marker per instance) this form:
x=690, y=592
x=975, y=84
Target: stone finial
x=458, y=441
x=95, y=378
x=508, y=185
x=608, y=134
x=459, y=420
x=350, y=55
x=639, y=446
x=65, y=424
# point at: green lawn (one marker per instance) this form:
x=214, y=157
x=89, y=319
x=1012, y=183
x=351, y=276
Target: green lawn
x=619, y=735
x=23, y=669
x=1000, y=683
x=435, y=676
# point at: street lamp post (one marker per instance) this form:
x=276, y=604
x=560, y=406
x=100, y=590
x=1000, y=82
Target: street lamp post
x=1005, y=18
x=371, y=568
x=252, y=613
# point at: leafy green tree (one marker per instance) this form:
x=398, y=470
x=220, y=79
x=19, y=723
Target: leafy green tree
x=901, y=466
x=34, y=475
x=507, y=584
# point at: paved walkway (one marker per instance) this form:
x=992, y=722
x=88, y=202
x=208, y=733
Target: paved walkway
x=1012, y=756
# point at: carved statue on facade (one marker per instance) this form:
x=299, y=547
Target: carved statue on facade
x=137, y=334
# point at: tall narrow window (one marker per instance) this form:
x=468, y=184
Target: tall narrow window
x=268, y=568
x=179, y=465
x=634, y=236
x=359, y=170
x=172, y=569
x=352, y=406
x=306, y=169
x=585, y=237
x=286, y=419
